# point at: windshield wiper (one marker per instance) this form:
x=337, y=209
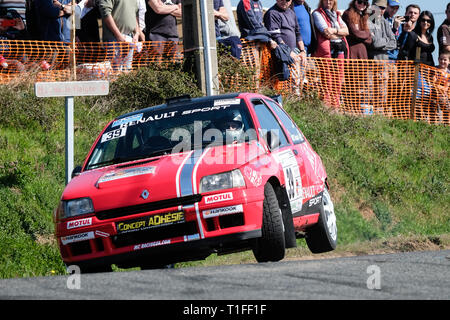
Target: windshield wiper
x=158, y=152
x=114, y=161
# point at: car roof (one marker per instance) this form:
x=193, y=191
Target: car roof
x=184, y=100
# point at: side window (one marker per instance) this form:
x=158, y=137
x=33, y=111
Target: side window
x=269, y=122
x=296, y=135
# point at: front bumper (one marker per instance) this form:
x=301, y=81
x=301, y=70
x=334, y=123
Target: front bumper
x=207, y=228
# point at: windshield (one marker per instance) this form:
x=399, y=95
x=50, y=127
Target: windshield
x=174, y=129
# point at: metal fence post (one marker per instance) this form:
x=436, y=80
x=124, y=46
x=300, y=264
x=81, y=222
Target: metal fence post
x=412, y=112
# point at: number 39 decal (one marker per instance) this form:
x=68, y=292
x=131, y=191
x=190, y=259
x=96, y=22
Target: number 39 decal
x=114, y=134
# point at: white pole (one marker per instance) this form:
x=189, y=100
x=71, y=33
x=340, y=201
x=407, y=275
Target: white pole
x=206, y=45
x=69, y=138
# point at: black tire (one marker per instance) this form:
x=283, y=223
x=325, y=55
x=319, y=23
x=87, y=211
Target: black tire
x=290, y=240
x=271, y=245
x=322, y=237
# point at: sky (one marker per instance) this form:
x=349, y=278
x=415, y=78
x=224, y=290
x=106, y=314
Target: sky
x=437, y=8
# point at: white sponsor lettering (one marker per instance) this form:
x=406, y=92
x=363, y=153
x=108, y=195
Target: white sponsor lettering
x=126, y=173
x=79, y=223
x=77, y=237
x=219, y=197
x=226, y=101
x=253, y=175
x=151, y=244
x=120, y=122
x=315, y=201
x=222, y=211
x=191, y=237
x=101, y=234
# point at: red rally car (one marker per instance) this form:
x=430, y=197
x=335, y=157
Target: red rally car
x=179, y=181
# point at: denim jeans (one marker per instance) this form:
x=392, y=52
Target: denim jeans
x=120, y=54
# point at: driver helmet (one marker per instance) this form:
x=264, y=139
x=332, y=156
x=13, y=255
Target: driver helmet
x=231, y=125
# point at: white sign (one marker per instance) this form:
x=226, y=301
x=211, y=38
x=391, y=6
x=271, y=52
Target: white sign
x=71, y=88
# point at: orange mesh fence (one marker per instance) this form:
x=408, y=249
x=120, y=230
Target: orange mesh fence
x=432, y=97
x=356, y=86
x=351, y=86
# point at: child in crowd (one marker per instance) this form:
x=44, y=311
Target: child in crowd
x=441, y=86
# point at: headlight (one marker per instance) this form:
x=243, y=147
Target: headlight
x=75, y=207
x=225, y=180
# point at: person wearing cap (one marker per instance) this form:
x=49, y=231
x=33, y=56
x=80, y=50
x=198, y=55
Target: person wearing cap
x=383, y=39
x=395, y=23
x=390, y=15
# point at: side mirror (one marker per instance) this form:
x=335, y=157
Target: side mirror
x=278, y=98
x=76, y=171
x=272, y=139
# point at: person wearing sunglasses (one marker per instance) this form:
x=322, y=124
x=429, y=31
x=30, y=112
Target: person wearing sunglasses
x=356, y=17
x=421, y=37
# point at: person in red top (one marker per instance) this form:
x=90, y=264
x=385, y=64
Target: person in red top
x=331, y=31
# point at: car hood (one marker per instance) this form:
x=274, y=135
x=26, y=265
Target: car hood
x=159, y=178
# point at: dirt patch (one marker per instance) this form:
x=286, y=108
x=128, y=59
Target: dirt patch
x=45, y=239
x=366, y=212
x=415, y=244
x=384, y=246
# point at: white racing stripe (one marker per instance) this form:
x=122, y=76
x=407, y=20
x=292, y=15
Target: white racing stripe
x=177, y=178
x=194, y=188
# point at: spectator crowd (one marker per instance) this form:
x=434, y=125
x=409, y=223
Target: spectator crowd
x=364, y=31
x=292, y=29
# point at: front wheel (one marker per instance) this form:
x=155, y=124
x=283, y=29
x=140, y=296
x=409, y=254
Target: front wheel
x=271, y=245
x=322, y=237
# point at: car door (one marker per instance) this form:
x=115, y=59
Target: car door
x=306, y=158
x=284, y=153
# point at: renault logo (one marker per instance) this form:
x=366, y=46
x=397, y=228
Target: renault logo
x=145, y=194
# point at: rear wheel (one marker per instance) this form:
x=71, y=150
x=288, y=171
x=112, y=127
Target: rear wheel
x=271, y=245
x=322, y=237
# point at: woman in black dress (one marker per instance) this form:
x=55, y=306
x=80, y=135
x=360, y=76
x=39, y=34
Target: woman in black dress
x=421, y=37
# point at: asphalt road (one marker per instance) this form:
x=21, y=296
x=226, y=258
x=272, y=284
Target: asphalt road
x=413, y=275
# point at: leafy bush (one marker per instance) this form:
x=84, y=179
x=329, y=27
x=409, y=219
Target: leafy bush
x=147, y=87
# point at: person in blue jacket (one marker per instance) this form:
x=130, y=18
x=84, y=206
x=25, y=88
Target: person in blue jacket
x=250, y=20
x=53, y=19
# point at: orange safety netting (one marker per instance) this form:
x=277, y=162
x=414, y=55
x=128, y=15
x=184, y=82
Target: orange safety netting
x=351, y=86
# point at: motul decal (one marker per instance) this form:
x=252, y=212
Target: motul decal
x=219, y=197
x=79, y=223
